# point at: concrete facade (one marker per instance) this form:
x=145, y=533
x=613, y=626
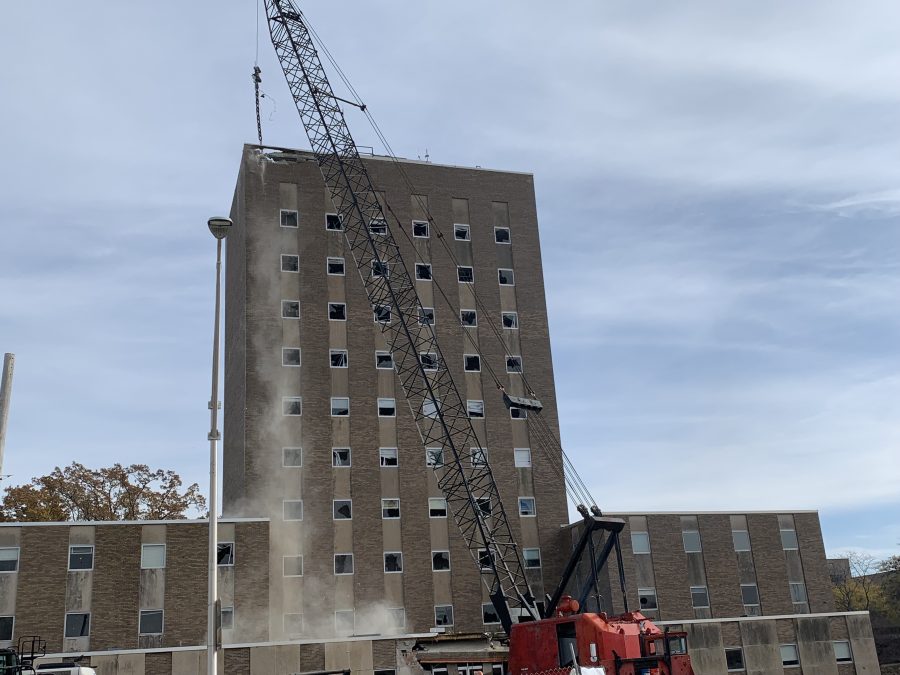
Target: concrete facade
x=271, y=261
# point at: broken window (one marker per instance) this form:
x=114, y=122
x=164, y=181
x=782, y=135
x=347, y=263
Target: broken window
x=426, y=316
x=513, y=364
x=443, y=615
x=734, y=658
x=340, y=406
x=518, y=413
x=337, y=311
x=290, y=356
x=484, y=505
x=384, y=361
x=434, y=457
x=343, y=563
x=475, y=408
x=437, y=507
x=429, y=360
x=393, y=562
x=440, y=561
x=291, y=457
x=461, y=232
x=292, y=406
x=647, y=598
x=382, y=313
x=335, y=266
x=292, y=509
x=532, y=557
x=390, y=509
x=506, y=277
x=289, y=218
x=292, y=565
x=290, y=263
x=388, y=457
x=333, y=222
x=225, y=554
x=380, y=268
x=430, y=408
x=423, y=271
x=338, y=358
x=501, y=235
x=340, y=457
x=484, y=559
x=468, y=317
x=527, y=507
x=387, y=407
x=290, y=309
x=378, y=226
x=489, y=614
x=420, y=229
x=479, y=456
x=342, y=509
x=466, y=275
x=509, y=320
x=472, y=363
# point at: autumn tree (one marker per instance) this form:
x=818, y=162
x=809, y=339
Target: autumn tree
x=855, y=587
x=118, y=492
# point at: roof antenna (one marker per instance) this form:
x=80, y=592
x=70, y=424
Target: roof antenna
x=427, y=156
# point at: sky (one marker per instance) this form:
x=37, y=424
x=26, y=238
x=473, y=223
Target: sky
x=718, y=191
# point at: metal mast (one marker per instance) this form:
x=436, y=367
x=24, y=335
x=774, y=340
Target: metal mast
x=9, y=364
x=439, y=410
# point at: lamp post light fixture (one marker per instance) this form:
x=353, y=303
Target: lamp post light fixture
x=219, y=228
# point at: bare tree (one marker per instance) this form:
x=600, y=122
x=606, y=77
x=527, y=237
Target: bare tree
x=855, y=586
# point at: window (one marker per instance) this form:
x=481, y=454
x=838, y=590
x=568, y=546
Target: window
x=506, y=277
x=227, y=617
x=440, y=561
x=338, y=358
x=384, y=361
x=462, y=232
x=647, y=598
x=749, y=594
x=382, y=313
x=475, y=408
x=426, y=316
x=789, y=655
x=798, y=591
x=479, y=456
x=472, y=363
x=434, y=457
x=387, y=407
x=334, y=222
x=378, y=226
x=290, y=356
x=734, y=658
x=342, y=509
x=340, y=457
x=343, y=563
x=430, y=408
x=291, y=457
x=466, y=275
x=443, y=615
x=292, y=406
x=532, y=557
x=501, y=235
x=741, y=539
x=489, y=614
x=380, y=268
x=393, y=562
x=344, y=621
x=420, y=229
x=289, y=218
x=522, y=457
x=484, y=559
x=78, y=624
x=390, y=509
x=6, y=628
x=789, y=540
x=335, y=266
x=468, y=317
x=423, y=272
x=429, y=360
x=337, y=311
x=842, y=653
x=517, y=413
x=151, y=622
x=437, y=507
x=484, y=505
x=153, y=556
x=225, y=554
x=691, y=540
x=699, y=597
x=387, y=457
x=292, y=565
x=527, y=507
x=290, y=309
x=290, y=262
x=340, y=406
x=510, y=320
x=292, y=509
x=81, y=557
x=293, y=624
x=513, y=364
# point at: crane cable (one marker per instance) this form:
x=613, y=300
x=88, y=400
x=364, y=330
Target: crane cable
x=573, y=480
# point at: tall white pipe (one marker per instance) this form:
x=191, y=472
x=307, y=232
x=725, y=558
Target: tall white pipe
x=9, y=363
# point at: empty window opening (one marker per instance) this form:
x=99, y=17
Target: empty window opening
x=388, y=457
x=440, y=561
x=343, y=563
x=420, y=229
x=465, y=274
x=292, y=457
x=423, y=272
x=378, y=226
x=290, y=218
x=290, y=263
x=485, y=559
x=472, y=363
x=443, y=615
x=340, y=457
x=513, y=364
x=292, y=406
x=340, y=406
x=7, y=623
x=290, y=309
x=484, y=506
x=337, y=311
x=382, y=313
x=290, y=357
x=380, y=268
x=429, y=360
x=479, y=456
x=334, y=222
x=338, y=358
x=342, y=509
x=335, y=267
x=647, y=598
x=510, y=320
x=489, y=614
x=506, y=277
x=468, y=317
x=426, y=316
x=225, y=554
x=518, y=413
x=462, y=232
x=384, y=361
x=734, y=658
x=434, y=457
x=393, y=562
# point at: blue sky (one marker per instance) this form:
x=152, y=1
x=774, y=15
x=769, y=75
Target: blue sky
x=717, y=184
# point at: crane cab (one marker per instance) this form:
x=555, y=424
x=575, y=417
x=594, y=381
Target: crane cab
x=625, y=645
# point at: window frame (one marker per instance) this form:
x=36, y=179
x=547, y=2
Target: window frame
x=489, y=606
x=334, y=456
x=521, y=465
x=382, y=403
x=427, y=225
x=634, y=548
x=71, y=553
x=792, y=585
x=284, y=559
x=463, y=323
x=229, y=610
x=382, y=353
x=333, y=260
x=400, y=559
x=735, y=544
x=382, y=308
x=281, y=214
x=648, y=591
x=284, y=451
x=334, y=509
x=426, y=314
x=838, y=659
x=521, y=368
x=284, y=504
x=291, y=399
x=512, y=276
x=219, y=545
x=525, y=558
x=452, y=621
x=333, y=407
x=12, y=627
x=385, y=508
x=519, y=414
x=515, y=325
x=285, y=302
x=735, y=669
x=430, y=271
x=382, y=456
x=162, y=620
x=432, y=508
x=469, y=408
x=705, y=591
x=684, y=541
x=463, y=227
x=338, y=352
x=533, y=505
x=378, y=223
x=477, y=361
x=285, y=350
x=336, y=305
x=352, y=565
x=18, y=557
x=790, y=663
x=153, y=546
x=443, y=569
x=460, y=268
x=339, y=228
x=793, y=532
x=479, y=456
x=296, y=257
x=508, y=241
x=430, y=453
x=384, y=269
x=66, y=635
x=429, y=364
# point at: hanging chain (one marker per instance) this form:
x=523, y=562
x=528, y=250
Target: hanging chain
x=256, y=80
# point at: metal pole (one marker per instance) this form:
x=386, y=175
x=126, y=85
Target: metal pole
x=212, y=651
x=9, y=363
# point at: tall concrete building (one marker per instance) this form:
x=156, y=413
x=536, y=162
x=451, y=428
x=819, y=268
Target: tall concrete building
x=318, y=434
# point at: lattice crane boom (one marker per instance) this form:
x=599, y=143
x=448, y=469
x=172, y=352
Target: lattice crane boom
x=439, y=410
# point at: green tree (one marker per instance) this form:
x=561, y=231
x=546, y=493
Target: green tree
x=118, y=492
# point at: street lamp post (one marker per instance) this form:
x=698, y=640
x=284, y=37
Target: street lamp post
x=219, y=228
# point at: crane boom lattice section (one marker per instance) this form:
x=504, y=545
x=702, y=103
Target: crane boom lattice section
x=439, y=410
